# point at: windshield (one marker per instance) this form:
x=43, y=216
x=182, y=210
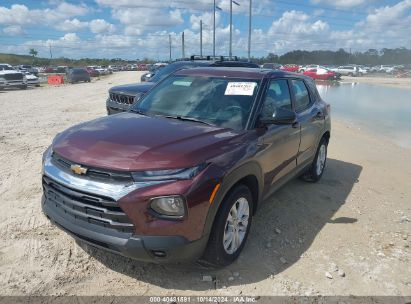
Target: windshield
x=222, y=102
x=169, y=69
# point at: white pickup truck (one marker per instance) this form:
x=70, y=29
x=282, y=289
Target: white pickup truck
x=9, y=77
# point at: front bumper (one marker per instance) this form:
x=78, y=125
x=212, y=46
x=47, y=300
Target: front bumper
x=114, y=215
x=157, y=249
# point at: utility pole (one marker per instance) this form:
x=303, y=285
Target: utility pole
x=249, y=32
x=182, y=45
x=214, y=30
x=230, y=53
x=201, y=38
x=169, y=42
x=51, y=54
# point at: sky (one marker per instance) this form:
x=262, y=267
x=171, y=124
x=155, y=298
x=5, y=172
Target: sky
x=137, y=29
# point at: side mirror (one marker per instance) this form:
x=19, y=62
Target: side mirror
x=281, y=116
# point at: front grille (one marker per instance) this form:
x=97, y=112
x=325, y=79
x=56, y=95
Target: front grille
x=93, y=173
x=14, y=76
x=90, y=208
x=122, y=98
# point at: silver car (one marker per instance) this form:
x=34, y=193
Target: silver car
x=348, y=70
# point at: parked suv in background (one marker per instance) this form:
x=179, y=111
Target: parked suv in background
x=122, y=97
x=10, y=78
x=348, y=70
x=180, y=176
x=77, y=75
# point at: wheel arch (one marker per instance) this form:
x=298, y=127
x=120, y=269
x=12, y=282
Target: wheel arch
x=250, y=175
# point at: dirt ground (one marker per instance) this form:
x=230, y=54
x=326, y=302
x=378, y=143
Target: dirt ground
x=353, y=226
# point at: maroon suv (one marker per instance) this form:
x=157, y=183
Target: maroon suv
x=180, y=175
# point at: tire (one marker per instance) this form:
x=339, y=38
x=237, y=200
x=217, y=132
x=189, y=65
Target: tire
x=316, y=170
x=217, y=254
x=350, y=74
x=23, y=87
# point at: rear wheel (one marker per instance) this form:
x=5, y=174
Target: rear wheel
x=316, y=169
x=231, y=227
x=23, y=87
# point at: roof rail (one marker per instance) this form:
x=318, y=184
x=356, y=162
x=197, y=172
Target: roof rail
x=217, y=58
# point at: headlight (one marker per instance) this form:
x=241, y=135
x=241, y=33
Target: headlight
x=173, y=206
x=174, y=174
x=47, y=154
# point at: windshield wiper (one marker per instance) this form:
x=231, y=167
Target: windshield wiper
x=138, y=111
x=185, y=118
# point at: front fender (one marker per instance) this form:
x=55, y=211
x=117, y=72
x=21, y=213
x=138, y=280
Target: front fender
x=229, y=180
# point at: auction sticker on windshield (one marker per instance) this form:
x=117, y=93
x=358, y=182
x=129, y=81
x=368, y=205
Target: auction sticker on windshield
x=240, y=88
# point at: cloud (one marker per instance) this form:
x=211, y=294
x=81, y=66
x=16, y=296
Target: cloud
x=98, y=26
x=21, y=15
x=142, y=19
x=340, y=3
x=72, y=25
x=13, y=30
x=207, y=20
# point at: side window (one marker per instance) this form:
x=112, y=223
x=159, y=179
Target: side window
x=278, y=96
x=302, y=97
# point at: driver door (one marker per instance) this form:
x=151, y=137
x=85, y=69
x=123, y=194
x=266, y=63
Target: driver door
x=279, y=142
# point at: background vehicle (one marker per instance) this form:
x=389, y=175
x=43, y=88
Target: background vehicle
x=179, y=177
x=122, y=97
x=290, y=68
x=322, y=74
x=273, y=66
x=10, y=78
x=92, y=72
x=348, y=70
x=77, y=75
x=32, y=80
x=309, y=67
x=28, y=68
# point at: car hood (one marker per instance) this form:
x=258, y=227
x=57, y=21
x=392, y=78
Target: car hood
x=132, y=142
x=132, y=89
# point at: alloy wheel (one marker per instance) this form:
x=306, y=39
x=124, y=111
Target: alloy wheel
x=236, y=225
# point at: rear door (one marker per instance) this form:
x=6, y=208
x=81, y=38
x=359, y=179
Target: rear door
x=279, y=143
x=310, y=118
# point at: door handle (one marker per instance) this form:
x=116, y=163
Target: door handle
x=296, y=125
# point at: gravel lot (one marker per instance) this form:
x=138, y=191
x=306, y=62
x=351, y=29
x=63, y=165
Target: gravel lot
x=347, y=235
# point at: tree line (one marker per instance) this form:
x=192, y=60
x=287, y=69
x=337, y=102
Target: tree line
x=340, y=57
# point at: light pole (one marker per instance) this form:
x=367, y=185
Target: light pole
x=169, y=41
x=231, y=26
x=249, y=32
x=182, y=46
x=201, y=38
x=214, y=31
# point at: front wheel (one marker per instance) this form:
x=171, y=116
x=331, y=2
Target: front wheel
x=230, y=228
x=316, y=169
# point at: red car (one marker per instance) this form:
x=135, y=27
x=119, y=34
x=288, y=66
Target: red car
x=290, y=68
x=322, y=74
